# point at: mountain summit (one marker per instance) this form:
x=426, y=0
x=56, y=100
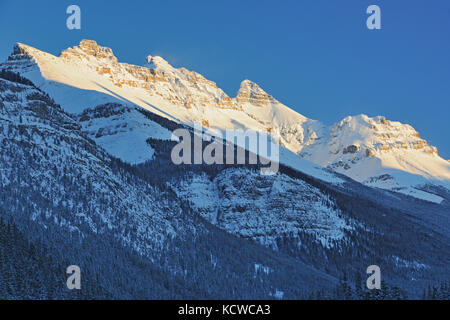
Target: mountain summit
x=372, y=150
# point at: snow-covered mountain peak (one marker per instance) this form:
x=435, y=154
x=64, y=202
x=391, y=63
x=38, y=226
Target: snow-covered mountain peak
x=24, y=59
x=381, y=153
x=89, y=49
x=157, y=62
x=378, y=135
x=22, y=52
x=250, y=92
x=20, y=49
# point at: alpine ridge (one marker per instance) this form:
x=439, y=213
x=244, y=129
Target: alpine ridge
x=371, y=150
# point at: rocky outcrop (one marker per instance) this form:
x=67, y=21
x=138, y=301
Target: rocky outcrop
x=250, y=92
x=264, y=208
x=91, y=48
x=351, y=149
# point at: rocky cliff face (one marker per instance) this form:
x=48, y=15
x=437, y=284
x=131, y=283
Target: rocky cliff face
x=265, y=209
x=250, y=92
x=175, y=85
x=90, y=48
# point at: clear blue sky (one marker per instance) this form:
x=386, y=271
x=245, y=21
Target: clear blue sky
x=316, y=56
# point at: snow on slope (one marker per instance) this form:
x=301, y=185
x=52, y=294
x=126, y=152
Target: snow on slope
x=381, y=153
x=122, y=131
x=373, y=151
x=177, y=94
x=46, y=157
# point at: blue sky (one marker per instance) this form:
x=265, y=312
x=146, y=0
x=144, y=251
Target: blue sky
x=316, y=56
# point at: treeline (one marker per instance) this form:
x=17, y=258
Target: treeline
x=439, y=292
x=357, y=290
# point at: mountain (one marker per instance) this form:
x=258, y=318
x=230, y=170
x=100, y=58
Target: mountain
x=87, y=179
x=64, y=201
x=375, y=151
